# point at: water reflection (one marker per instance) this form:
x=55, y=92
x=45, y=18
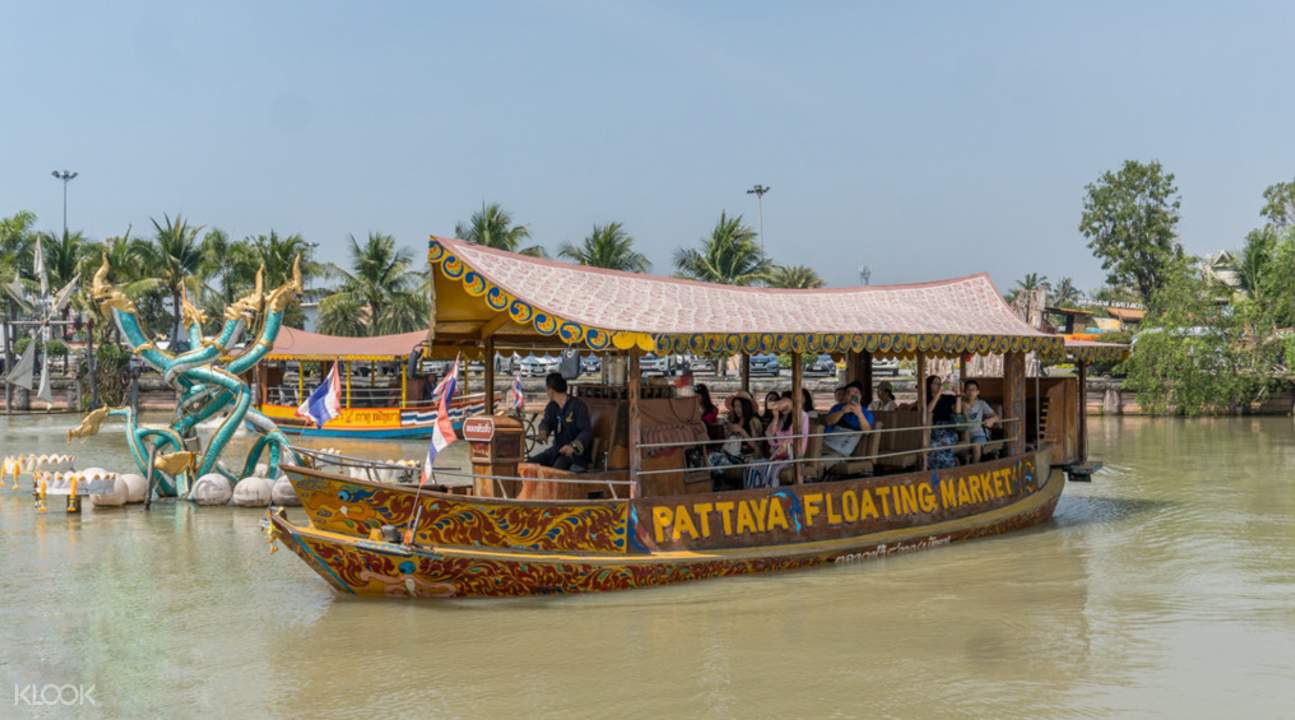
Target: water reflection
x=1166, y=587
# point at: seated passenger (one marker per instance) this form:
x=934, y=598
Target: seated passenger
x=709, y=413
x=980, y=417
x=851, y=416
x=780, y=434
x=741, y=429
x=946, y=410
x=567, y=419
x=885, y=398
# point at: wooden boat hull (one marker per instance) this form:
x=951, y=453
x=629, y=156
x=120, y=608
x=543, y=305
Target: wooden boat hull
x=552, y=550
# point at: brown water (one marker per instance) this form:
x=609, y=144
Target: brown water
x=1166, y=588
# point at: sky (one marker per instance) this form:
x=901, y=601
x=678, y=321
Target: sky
x=923, y=140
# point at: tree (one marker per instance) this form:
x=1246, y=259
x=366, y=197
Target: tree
x=1065, y=294
x=1196, y=355
x=1129, y=219
x=17, y=233
x=608, y=246
x=794, y=276
x=379, y=294
x=493, y=227
x=729, y=256
x=174, y=258
x=1027, y=285
x=1279, y=205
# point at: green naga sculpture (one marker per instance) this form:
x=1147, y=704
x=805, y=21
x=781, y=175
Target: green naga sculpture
x=207, y=383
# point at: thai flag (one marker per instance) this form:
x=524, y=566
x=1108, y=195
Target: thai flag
x=519, y=395
x=325, y=402
x=443, y=430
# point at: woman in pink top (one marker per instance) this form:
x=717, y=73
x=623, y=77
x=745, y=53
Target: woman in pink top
x=780, y=433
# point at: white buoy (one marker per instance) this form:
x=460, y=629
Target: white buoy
x=253, y=492
x=136, y=487
x=211, y=489
x=283, y=494
x=112, y=498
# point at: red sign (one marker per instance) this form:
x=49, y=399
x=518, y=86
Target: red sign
x=479, y=429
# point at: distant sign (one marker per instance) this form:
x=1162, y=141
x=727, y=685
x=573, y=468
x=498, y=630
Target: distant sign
x=479, y=429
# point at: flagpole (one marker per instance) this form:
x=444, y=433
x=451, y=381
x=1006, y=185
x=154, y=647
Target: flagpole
x=443, y=410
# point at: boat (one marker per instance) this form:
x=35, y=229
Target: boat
x=647, y=513
x=385, y=392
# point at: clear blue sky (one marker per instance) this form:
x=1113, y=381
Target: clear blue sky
x=923, y=139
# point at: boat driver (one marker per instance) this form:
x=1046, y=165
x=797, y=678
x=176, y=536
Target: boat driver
x=566, y=418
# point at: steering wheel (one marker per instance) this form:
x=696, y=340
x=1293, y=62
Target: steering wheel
x=531, y=431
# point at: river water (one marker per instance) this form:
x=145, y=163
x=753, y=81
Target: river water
x=1166, y=588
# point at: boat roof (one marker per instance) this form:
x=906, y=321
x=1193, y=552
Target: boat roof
x=294, y=344
x=536, y=302
x=1090, y=351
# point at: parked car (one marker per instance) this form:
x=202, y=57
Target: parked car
x=765, y=364
x=700, y=365
x=537, y=366
x=822, y=366
x=590, y=364
x=652, y=365
x=885, y=366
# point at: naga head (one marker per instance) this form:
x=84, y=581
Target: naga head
x=176, y=462
x=250, y=304
x=89, y=424
x=282, y=295
x=104, y=293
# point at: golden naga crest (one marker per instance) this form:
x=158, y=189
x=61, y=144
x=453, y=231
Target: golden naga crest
x=192, y=315
x=89, y=426
x=250, y=304
x=107, y=295
x=282, y=295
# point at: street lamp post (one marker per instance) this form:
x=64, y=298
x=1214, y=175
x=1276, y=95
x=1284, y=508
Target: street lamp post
x=758, y=191
x=66, y=177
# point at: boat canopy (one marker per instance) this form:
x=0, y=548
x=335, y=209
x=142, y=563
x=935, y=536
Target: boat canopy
x=1090, y=351
x=523, y=301
x=293, y=344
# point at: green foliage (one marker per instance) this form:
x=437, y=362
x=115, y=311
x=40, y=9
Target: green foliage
x=794, y=276
x=608, y=246
x=1279, y=205
x=493, y=227
x=729, y=256
x=112, y=365
x=1129, y=219
x=56, y=349
x=1065, y=294
x=380, y=294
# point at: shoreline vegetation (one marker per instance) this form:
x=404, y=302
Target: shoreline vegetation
x=1218, y=334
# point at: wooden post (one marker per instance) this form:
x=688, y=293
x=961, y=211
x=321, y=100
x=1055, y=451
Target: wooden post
x=745, y=371
x=1083, y=412
x=490, y=375
x=962, y=369
x=795, y=413
x=348, y=384
x=633, y=378
x=1014, y=400
x=404, y=384
x=301, y=381
x=865, y=374
x=922, y=403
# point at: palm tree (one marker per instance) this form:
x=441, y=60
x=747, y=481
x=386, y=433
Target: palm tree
x=729, y=255
x=16, y=236
x=379, y=294
x=608, y=246
x=493, y=227
x=1066, y=294
x=795, y=276
x=175, y=259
